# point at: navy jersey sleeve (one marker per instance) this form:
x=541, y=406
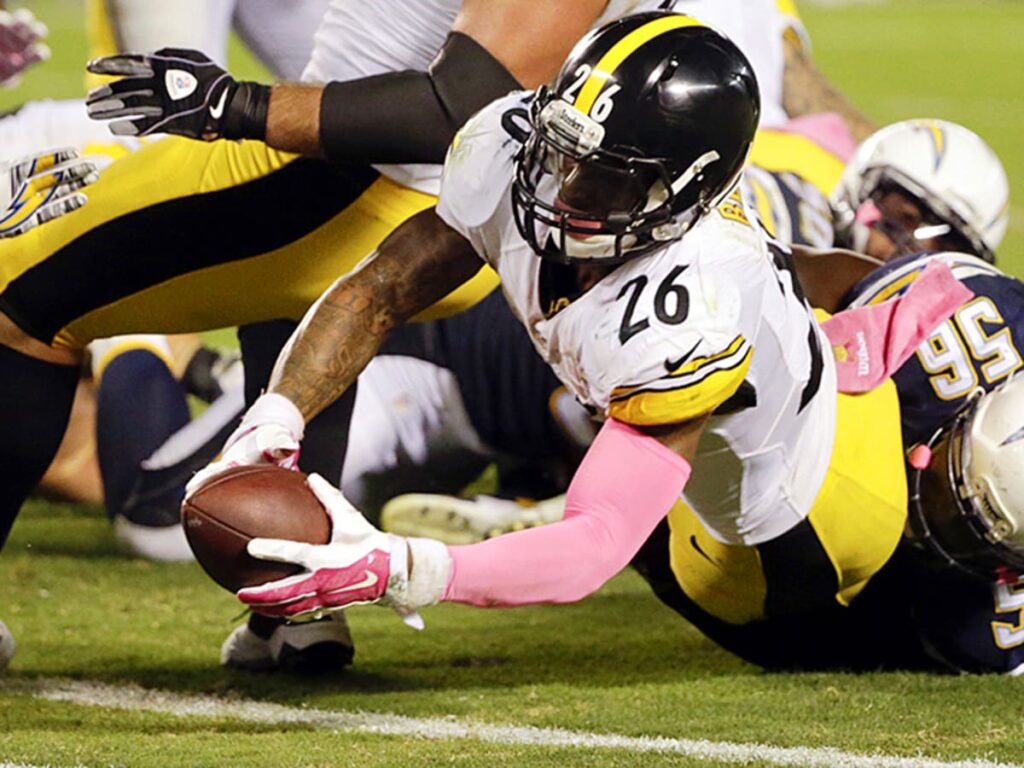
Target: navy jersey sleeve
x=979, y=347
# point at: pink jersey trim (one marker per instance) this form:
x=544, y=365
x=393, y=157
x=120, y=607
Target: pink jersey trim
x=624, y=487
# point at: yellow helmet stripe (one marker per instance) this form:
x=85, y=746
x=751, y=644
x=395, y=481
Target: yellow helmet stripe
x=621, y=51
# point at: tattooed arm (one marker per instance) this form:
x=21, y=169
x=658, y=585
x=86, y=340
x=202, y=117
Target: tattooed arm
x=418, y=264
x=806, y=91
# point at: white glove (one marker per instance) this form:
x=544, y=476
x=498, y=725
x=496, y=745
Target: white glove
x=360, y=565
x=20, y=46
x=269, y=434
x=36, y=189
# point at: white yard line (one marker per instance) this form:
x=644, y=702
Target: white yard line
x=138, y=699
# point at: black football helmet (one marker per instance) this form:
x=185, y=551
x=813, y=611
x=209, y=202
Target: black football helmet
x=645, y=130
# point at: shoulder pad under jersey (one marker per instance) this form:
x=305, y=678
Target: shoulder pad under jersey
x=480, y=161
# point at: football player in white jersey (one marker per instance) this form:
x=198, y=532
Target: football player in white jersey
x=914, y=185
x=402, y=90
x=658, y=304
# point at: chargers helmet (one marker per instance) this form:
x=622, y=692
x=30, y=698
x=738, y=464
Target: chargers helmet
x=644, y=130
x=948, y=170
x=967, y=505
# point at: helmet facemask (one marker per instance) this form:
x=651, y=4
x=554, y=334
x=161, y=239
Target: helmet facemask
x=939, y=220
x=952, y=513
x=575, y=200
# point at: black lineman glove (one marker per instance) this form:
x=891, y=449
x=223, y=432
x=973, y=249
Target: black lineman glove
x=177, y=91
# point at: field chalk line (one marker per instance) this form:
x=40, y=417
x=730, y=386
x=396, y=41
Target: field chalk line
x=135, y=698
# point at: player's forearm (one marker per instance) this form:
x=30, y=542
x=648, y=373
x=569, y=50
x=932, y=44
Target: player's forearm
x=806, y=91
x=398, y=117
x=293, y=118
x=624, y=487
x=420, y=263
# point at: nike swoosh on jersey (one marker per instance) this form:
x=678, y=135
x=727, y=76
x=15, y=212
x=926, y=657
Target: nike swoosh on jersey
x=217, y=111
x=672, y=365
x=701, y=552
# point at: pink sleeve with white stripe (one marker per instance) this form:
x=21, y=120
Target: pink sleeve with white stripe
x=625, y=485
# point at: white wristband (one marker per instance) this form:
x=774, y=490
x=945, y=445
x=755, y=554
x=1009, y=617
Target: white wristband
x=431, y=569
x=272, y=408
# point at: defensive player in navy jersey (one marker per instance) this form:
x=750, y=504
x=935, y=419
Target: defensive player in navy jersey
x=949, y=597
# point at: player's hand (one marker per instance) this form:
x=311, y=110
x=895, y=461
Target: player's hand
x=21, y=45
x=360, y=565
x=36, y=189
x=270, y=433
x=176, y=91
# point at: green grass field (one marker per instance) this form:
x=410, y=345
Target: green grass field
x=100, y=634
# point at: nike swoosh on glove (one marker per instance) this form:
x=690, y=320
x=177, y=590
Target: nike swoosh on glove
x=270, y=433
x=360, y=565
x=180, y=91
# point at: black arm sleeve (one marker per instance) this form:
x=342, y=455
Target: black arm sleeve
x=411, y=117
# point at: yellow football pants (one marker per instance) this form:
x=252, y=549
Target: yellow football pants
x=187, y=236
x=851, y=531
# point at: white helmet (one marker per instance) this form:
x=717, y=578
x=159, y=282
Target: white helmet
x=946, y=168
x=968, y=503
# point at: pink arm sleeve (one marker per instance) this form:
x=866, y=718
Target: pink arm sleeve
x=623, y=488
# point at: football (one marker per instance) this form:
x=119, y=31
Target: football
x=245, y=503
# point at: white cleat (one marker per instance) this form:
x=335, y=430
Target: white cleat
x=465, y=521
x=313, y=647
x=165, y=543
x=7, y=646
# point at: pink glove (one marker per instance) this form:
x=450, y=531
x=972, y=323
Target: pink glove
x=20, y=46
x=875, y=340
x=360, y=565
x=269, y=434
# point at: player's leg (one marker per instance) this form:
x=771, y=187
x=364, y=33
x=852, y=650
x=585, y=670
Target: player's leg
x=185, y=236
x=876, y=632
x=35, y=402
x=148, y=444
x=830, y=556
x=140, y=404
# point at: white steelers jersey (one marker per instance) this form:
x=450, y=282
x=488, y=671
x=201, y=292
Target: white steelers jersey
x=358, y=39
x=711, y=323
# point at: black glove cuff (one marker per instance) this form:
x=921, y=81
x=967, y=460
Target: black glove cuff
x=246, y=113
